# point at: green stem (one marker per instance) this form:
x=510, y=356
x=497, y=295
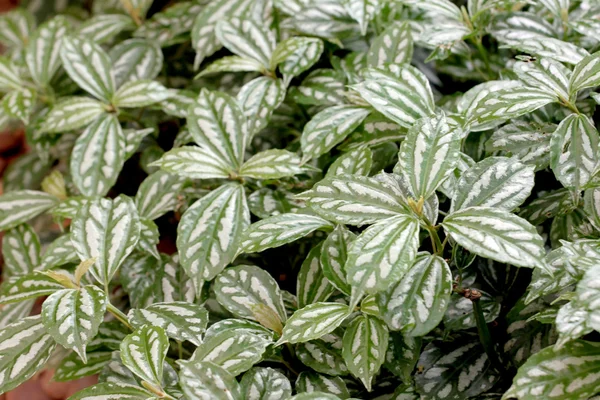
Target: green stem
x=435, y=239
x=180, y=349
x=119, y=315
x=441, y=252
x=484, y=333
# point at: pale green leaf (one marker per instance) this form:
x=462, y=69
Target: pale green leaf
x=72, y=113
x=140, y=93
x=586, y=74
x=265, y=384
x=258, y=99
x=135, y=59
x=441, y=8
x=104, y=27
x=20, y=104
x=22, y=205
x=393, y=46
x=362, y=11
x=271, y=164
x=16, y=27
x=20, y=250
x=313, y=322
x=311, y=284
x=247, y=39
x=206, y=380
x=194, y=162
x=354, y=162
x=144, y=352
x=25, y=287
x=121, y=391
x=9, y=75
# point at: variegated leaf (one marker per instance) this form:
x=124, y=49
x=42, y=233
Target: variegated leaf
x=496, y=182
x=16, y=26
x=258, y=99
x=140, y=93
x=279, y=230
x=362, y=11
x=135, y=59
x=108, y=231
x=574, y=149
x=103, y=28
x=265, y=384
x=158, y=194
x=10, y=313
x=313, y=386
x=89, y=66
x=231, y=64
x=22, y=205
x=72, y=113
x=547, y=75
x=72, y=367
x=586, y=74
x=418, y=302
x=9, y=75
x=25, y=287
x=25, y=346
x=312, y=286
x=497, y=234
x=320, y=87
x=365, y=345
x=58, y=253
x=297, y=54
x=439, y=8
x=122, y=391
x=194, y=162
x=144, y=352
x=354, y=162
x=428, y=155
x=591, y=200
x=20, y=250
x=313, y=322
x=98, y=156
x=240, y=289
x=25, y=172
x=402, y=355
x=272, y=164
x=549, y=47
x=333, y=257
x=72, y=316
x=149, y=237
x=180, y=320
x=206, y=380
x=323, y=355
x=393, y=46
x=247, y=39
x=19, y=104
x=210, y=230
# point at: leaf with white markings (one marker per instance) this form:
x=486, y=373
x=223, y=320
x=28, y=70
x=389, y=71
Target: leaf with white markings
x=240, y=289
x=19, y=104
x=497, y=234
x=9, y=75
x=27, y=287
x=354, y=162
x=382, y=254
x=362, y=11
x=295, y=55
x=135, y=59
x=15, y=27
x=194, y=162
x=546, y=75
x=108, y=231
x=247, y=39
x=231, y=64
x=323, y=355
x=591, y=200
x=180, y=320
x=280, y=229
x=72, y=316
x=320, y=87
x=144, y=352
x=149, y=237
x=586, y=74
x=140, y=94
x=334, y=254
x=22, y=205
x=313, y=386
x=418, y=302
x=103, y=28
x=20, y=250
x=312, y=285
x=265, y=384
x=58, y=253
x=313, y=322
x=89, y=66
x=206, y=380
x=258, y=99
x=555, y=49
x=72, y=113
x=72, y=367
x=210, y=230
x=121, y=391
x=271, y=164
x=393, y=46
x=157, y=194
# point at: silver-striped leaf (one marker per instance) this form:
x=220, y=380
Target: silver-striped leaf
x=144, y=352
x=591, y=199
x=135, y=59
x=313, y=322
x=311, y=284
x=140, y=93
x=296, y=54
x=265, y=384
x=158, y=194
x=365, y=344
x=206, y=380
x=550, y=47
x=547, y=75
x=586, y=74
x=20, y=206
x=72, y=367
x=272, y=164
x=382, y=254
x=354, y=162
x=20, y=250
x=103, y=28
x=9, y=75
x=108, y=231
x=334, y=254
x=25, y=172
x=72, y=113
x=497, y=234
x=15, y=311
x=25, y=287
x=247, y=38
x=149, y=237
x=510, y=103
x=209, y=232
x=16, y=27
x=61, y=251
x=393, y=46
x=362, y=11
x=313, y=386
x=258, y=99
x=19, y=104
x=179, y=319
x=417, y=304
x=72, y=316
x=194, y=162
x=231, y=64
x=323, y=355
x=116, y=390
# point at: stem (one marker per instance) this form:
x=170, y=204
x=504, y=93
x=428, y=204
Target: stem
x=484, y=333
x=484, y=55
x=133, y=13
x=119, y=315
x=435, y=239
x=180, y=349
x=441, y=253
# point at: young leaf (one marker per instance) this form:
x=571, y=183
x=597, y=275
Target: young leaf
x=25, y=348
x=313, y=321
x=72, y=113
x=428, y=155
x=279, y=230
x=210, y=230
x=265, y=384
x=247, y=39
x=140, y=93
x=180, y=320
x=89, y=66
x=258, y=99
x=496, y=182
x=98, y=156
x=144, y=352
x=135, y=59
x=194, y=162
x=497, y=234
x=206, y=380
x=108, y=231
x=312, y=286
x=158, y=194
x=272, y=164
x=22, y=205
x=381, y=255
x=72, y=316
x=418, y=302
x=20, y=250
x=393, y=46
x=240, y=289
x=297, y=54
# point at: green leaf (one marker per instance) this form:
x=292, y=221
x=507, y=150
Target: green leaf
x=323, y=355
x=14, y=312
x=240, y=289
x=265, y=384
x=272, y=164
x=548, y=206
x=144, y=352
x=121, y=391
x=320, y=87
x=247, y=38
x=180, y=320
x=591, y=200
x=19, y=104
x=237, y=325
x=206, y=380
x=210, y=230
x=72, y=368
x=217, y=123
x=497, y=234
x=460, y=314
x=362, y=11
x=547, y=75
x=72, y=113
x=72, y=316
x=15, y=27
x=140, y=93
x=441, y=8
x=475, y=99
x=549, y=47
x=108, y=231
x=393, y=46
x=496, y=182
x=135, y=59
x=98, y=156
x=365, y=344
x=402, y=355
x=149, y=237
x=25, y=348
x=9, y=75
x=355, y=200
x=258, y=99
x=103, y=28
x=382, y=254
x=26, y=172
x=158, y=194
x=20, y=250
x=194, y=162
x=565, y=373
x=313, y=321
x=313, y=386
x=279, y=230
x=297, y=54
x=22, y=205
x=354, y=162
x=231, y=64
x=58, y=253
x=401, y=93
x=456, y=370
x=574, y=148
x=25, y=287
x=417, y=304
x=311, y=284
x=428, y=155
x=234, y=351
x=88, y=65
x=586, y=74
